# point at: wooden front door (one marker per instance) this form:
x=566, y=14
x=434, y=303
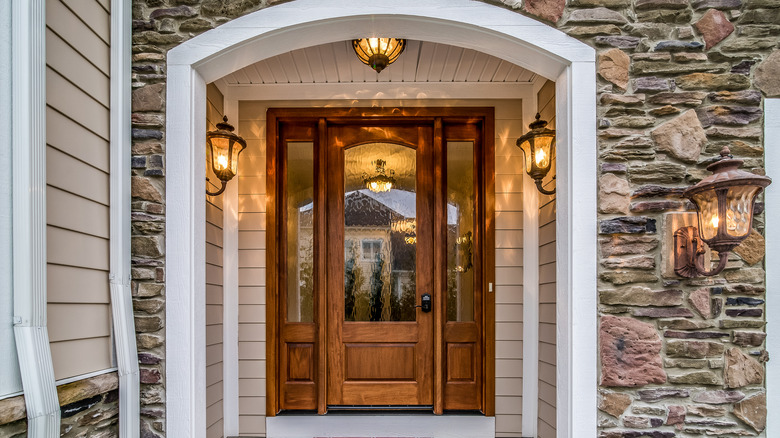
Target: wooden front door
x=380, y=211
x=372, y=214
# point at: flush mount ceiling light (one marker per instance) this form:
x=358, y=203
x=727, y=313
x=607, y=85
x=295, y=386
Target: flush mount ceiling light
x=382, y=181
x=224, y=146
x=537, y=145
x=378, y=53
x=724, y=205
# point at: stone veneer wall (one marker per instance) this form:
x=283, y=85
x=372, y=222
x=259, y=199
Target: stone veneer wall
x=88, y=407
x=678, y=79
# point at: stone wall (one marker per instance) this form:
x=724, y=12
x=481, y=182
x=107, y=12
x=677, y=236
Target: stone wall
x=88, y=408
x=678, y=79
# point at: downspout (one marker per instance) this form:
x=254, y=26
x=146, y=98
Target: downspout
x=29, y=217
x=119, y=275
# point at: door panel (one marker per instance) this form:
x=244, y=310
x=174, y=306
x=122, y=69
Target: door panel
x=380, y=343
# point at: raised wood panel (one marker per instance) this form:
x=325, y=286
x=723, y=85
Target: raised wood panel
x=81, y=356
x=70, y=284
x=67, y=25
x=74, y=176
x=77, y=321
x=73, y=139
x=379, y=362
x=66, y=210
x=76, y=104
x=461, y=364
x=62, y=58
x=65, y=247
x=300, y=362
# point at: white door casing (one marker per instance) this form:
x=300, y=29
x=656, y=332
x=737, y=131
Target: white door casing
x=302, y=23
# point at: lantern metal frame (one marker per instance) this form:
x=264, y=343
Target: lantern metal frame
x=689, y=241
x=224, y=131
x=538, y=129
x=377, y=58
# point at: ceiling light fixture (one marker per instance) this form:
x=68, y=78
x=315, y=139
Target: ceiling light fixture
x=378, y=53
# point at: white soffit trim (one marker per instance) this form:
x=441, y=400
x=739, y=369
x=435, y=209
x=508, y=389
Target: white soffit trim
x=29, y=217
x=494, y=30
x=119, y=277
x=772, y=220
x=230, y=297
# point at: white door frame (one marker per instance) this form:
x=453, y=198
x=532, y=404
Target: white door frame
x=289, y=26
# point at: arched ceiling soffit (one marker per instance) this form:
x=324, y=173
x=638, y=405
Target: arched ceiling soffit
x=272, y=31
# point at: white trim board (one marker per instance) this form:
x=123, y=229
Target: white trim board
x=439, y=426
x=772, y=231
x=288, y=26
x=29, y=217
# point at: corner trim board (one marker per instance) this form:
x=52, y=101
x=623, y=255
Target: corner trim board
x=772, y=206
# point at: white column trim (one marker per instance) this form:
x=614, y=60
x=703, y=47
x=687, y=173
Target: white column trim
x=530, y=288
x=29, y=217
x=772, y=231
x=119, y=276
x=268, y=32
x=230, y=295
x=576, y=293
x=185, y=249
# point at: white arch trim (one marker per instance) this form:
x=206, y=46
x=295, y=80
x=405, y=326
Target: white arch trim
x=278, y=29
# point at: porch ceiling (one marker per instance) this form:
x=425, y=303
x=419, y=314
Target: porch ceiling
x=422, y=61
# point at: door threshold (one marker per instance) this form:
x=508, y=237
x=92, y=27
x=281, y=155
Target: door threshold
x=385, y=424
x=380, y=409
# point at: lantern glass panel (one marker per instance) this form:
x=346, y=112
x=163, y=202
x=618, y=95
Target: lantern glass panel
x=220, y=150
x=236, y=149
x=707, y=203
x=739, y=210
x=542, y=153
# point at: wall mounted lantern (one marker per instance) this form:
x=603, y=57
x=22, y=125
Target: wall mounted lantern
x=378, y=53
x=382, y=181
x=224, y=146
x=724, y=205
x=537, y=146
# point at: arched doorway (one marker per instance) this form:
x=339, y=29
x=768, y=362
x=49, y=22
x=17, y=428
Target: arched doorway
x=490, y=29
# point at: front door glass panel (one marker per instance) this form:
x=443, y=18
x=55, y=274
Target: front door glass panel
x=380, y=242
x=460, y=231
x=300, y=231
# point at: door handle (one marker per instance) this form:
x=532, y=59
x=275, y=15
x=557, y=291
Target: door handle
x=426, y=303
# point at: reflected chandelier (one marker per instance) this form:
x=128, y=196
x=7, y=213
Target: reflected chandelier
x=382, y=181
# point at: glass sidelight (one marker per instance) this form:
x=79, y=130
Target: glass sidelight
x=300, y=231
x=380, y=242
x=461, y=210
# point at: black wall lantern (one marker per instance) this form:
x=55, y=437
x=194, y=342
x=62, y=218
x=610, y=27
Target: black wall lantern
x=724, y=204
x=537, y=146
x=224, y=146
x=378, y=53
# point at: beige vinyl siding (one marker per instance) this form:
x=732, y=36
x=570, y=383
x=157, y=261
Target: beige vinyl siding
x=252, y=274
x=547, y=287
x=77, y=194
x=214, y=289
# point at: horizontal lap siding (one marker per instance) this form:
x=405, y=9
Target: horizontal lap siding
x=252, y=273
x=214, y=286
x=77, y=194
x=547, y=286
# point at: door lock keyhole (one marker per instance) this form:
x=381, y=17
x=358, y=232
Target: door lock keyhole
x=426, y=303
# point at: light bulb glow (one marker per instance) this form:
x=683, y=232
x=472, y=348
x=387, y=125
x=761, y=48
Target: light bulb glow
x=539, y=157
x=715, y=221
x=222, y=162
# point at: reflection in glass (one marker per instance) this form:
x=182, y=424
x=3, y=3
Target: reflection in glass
x=300, y=231
x=460, y=231
x=379, y=238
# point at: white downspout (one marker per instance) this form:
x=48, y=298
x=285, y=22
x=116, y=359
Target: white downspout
x=119, y=276
x=29, y=218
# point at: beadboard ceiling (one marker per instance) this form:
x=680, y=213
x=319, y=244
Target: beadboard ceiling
x=421, y=62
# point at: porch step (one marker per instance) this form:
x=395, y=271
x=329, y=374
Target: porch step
x=380, y=426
